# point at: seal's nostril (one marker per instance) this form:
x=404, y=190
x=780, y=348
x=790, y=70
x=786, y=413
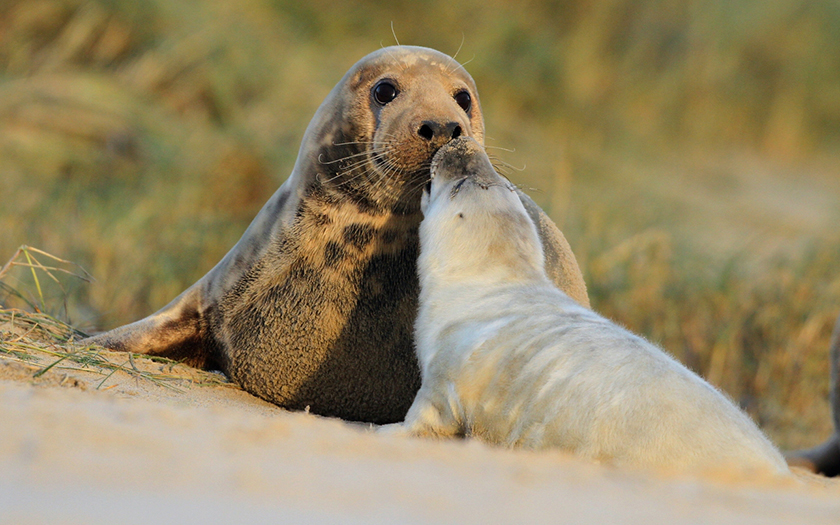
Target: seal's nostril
x=426, y=132
x=431, y=130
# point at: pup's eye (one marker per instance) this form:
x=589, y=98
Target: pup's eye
x=464, y=100
x=428, y=187
x=384, y=92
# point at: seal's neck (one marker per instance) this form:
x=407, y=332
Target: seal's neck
x=485, y=247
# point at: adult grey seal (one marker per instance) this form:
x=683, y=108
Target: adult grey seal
x=509, y=358
x=825, y=458
x=314, y=306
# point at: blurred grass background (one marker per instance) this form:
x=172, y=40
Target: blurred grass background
x=690, y=150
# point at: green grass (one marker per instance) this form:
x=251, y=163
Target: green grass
x=688, y=149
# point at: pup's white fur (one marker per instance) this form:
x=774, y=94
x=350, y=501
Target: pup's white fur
x=508, y=358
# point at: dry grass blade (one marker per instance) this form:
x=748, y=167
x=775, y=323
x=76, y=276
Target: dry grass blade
x=28, y=251
x=34, y=264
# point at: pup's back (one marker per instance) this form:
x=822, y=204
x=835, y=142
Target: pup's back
x=529, y=367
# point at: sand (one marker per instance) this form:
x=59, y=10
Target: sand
x=196, y=450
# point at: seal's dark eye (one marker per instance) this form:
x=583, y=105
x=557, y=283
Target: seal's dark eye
x=384, y=92
x=464, y=100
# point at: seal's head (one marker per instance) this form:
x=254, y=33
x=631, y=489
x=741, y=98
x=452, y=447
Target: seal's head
x=374, y=136
x=474, y=224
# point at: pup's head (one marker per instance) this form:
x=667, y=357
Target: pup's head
x=474, y=225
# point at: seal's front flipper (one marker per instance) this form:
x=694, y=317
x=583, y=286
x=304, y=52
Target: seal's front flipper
x=174, y=332
x=426, y=418
x=395, y=430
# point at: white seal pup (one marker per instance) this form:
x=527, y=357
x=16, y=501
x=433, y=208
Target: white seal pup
x=315, y=305
x=508, y=358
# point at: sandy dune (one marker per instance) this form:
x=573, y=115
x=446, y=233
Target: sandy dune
x=134, y=451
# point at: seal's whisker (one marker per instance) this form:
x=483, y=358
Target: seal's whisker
x=353, y=178
x=336, y=161
x=461, y=66
x=505, y=175
x=344, y=158
x=461, y=45
x=419, y=182
x=360, y=142
x=528, y=188
x=388, y=173
x=418, y=187
x=452, y=60
x=502, y=168
x=388, y=50
x=350, y=169
x=412, y=183
x=363, y=170
x=501, y=171
x=499, y=168
x=366, y=155
x=397, y=40
x=364, y=166
x=361, y=175
x=358, y=162
x=392, y=180
x=501, y=148
x=496, y=160
x=375, y=179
